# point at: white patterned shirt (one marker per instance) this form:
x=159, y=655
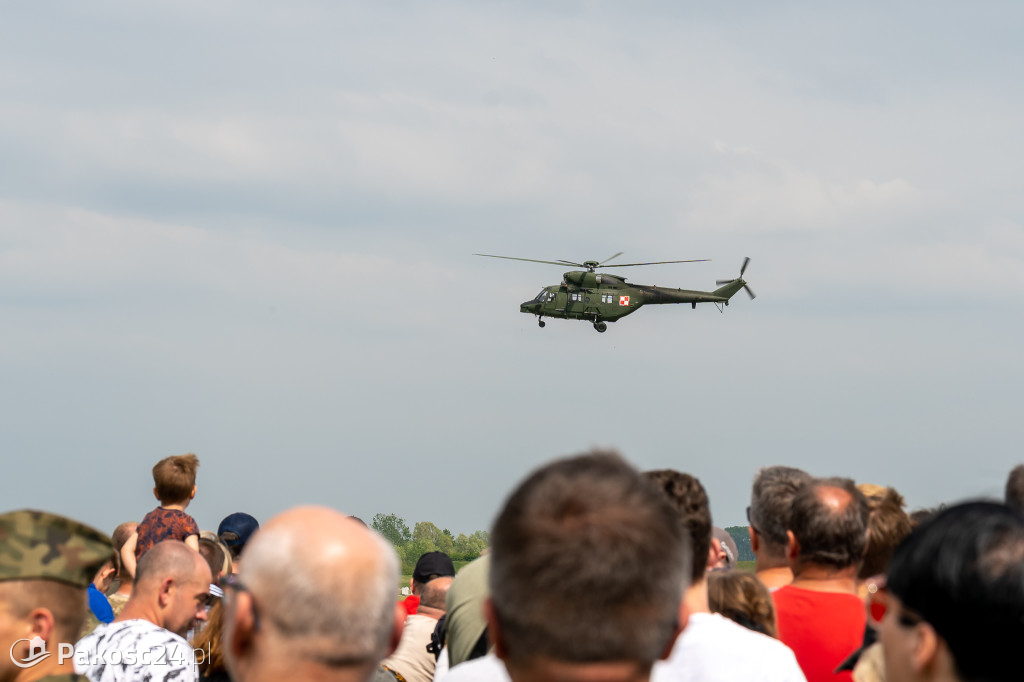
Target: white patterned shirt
x=135, y=651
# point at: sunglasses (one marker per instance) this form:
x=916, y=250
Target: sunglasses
x=231, y=582
x=751, y=523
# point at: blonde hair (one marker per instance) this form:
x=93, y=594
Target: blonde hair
x=175, y=478
x=741, y=597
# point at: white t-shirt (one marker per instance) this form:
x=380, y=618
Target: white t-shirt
x=487, y=668
x=713, y=648
x=133, y=651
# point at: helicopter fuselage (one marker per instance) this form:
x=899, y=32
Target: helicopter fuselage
x=600, y=297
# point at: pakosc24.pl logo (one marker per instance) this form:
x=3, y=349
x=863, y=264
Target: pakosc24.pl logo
x=37, y=653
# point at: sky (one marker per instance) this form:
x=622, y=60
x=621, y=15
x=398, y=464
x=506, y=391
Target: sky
x=245, y=230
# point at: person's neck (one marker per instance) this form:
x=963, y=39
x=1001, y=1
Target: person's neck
x=125, y=588
x=51, y=665
x=137, y=609
x=429, y=611
x=273, y=668
x=543, y=669
x=180, y=506
x=696, y=597
x=822, y=578
x=776, y=576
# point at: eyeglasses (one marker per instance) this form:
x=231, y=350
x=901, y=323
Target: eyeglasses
x=751, y=523
x=879, y=601
x=231, y=582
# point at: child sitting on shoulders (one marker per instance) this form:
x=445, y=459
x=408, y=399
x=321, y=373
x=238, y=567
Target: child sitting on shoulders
x=175, y=486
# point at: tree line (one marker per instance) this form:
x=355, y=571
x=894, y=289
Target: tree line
x=425, y=537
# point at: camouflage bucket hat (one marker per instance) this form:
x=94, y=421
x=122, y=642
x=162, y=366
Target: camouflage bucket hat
x=38, y=544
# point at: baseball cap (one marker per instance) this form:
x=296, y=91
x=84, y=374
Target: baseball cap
x=433, y=564
x=728, y=545
x=239, y=523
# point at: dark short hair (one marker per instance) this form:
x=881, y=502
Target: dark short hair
x=770, y=501
x=888, y=524
x=587, y=565
x=1015, y=488
x=963, y=572
x=830, y=537
x=688, y=497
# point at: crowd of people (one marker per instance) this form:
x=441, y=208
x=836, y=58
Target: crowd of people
x=596, y=572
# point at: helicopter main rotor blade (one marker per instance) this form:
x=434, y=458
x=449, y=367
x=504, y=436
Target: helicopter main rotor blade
x=743, y=268
x=531, y=260
x=660, y=262
x=611, y=257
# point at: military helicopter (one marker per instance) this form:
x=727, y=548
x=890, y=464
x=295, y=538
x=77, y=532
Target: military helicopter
x=601, y=298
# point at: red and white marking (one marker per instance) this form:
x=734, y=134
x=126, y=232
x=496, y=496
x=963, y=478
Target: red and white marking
x=623, y=300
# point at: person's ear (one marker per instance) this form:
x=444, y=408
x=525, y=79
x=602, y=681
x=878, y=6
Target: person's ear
x=494, y=632
x=41, y=624
x=754, y=542
x=156, y=496
x=397, y=627
x=192, y=496
x=684, y=617
x=165, y=595
x=105, y=576
x=793, y=548
x=240, y=627
x=926, y=647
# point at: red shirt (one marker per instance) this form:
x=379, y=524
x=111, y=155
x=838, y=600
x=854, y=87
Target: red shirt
x=163, y=524
x=822, y=629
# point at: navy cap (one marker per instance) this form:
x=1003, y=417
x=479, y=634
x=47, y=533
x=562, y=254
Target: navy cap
x=239, y=523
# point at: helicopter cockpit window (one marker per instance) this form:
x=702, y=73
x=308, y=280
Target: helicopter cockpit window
x=543, y=295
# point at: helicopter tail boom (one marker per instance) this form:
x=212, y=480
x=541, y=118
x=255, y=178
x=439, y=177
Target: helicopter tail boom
x=729, y=290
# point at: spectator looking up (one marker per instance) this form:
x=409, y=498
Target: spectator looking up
x=328, y=612
x=234, y=531
x=174, y=481
x=713, y=648
x=768, y=516
x=954, y=604
x=587, y=572
x=820, y=615
x=430, y=582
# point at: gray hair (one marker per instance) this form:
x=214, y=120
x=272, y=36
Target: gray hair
x=770, y=502
x=334, y=608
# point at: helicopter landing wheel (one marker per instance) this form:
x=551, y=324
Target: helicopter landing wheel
x=601, y=327
x=540, y=323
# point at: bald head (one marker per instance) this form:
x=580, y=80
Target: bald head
x=172, y=587
x=326, y=585
x=435, y=593
x=829, y=520
x=170, y=559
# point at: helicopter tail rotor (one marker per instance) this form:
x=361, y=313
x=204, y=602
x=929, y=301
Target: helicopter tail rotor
x=746, y=287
